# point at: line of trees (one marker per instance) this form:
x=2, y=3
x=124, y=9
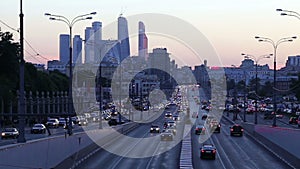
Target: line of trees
x=34, y=80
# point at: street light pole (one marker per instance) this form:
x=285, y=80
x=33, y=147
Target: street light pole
x=21, y=138
x=275, y=46
x=70, y=24
x=247, y=56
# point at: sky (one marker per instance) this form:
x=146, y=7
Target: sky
x=229, y=25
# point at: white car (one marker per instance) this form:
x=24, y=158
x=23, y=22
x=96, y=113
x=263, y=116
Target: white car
x=38, y=128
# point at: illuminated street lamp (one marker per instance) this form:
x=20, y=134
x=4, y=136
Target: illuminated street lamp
x=288, y=13
x=70, y=24
x=275, y=46
x=247, y=56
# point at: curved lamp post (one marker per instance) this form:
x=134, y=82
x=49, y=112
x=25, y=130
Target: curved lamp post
x=256, y=59
x=288, y=13
x=275, y=46
x=70, y=24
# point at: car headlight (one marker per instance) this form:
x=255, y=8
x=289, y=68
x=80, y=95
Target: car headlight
x=157, y=128
x=151, y=129
x=3, y=134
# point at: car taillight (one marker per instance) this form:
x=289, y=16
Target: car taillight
x=242, y=129
x=214, y=151
x=202, y=151
x=231, y=129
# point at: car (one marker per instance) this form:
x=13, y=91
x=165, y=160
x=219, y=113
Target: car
x=75, y=119
x=208, y=151
x=168, y=115
x=204, y=116
x=236, y=130
x=52, y=122
x=269, y=115
x=9, y=133
x=200, y=129
x=173, y=129
x=293, y=120
x=166, y=135
x=171, y=123
x=62, y=122
x=38, y=128
x=298, y=121
x=112, y=122
x=279, y=116
x=82, y=122
x=215, y=126
x=154, y=128
x=176, y=117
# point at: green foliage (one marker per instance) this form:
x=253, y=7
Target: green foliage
x=34, y=80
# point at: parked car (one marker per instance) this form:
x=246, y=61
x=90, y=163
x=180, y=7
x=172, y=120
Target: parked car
x=52, y=122
x=38, y=128
x=293, y=120
x=298, y=121
x=9, y=133
x=269, y=115
x=236, y=130
x=208, y=151
x=112, y=122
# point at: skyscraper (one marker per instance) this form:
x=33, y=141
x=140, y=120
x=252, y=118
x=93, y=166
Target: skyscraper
x=89, y=45
x=64, y=48
x=77, y=49
x=93, y=38
x=143, y=42
x=123, y=37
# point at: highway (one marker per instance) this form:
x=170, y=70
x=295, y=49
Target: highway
x=234, y=152
x=160, y=154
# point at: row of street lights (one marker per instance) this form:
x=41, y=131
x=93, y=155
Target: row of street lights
x=275, y=45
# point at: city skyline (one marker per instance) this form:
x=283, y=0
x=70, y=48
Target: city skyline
x=229, y=26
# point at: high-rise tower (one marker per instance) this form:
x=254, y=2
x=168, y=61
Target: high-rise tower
x=77, y=49
x=123, y=37
x=64, y=48
x=143, y=42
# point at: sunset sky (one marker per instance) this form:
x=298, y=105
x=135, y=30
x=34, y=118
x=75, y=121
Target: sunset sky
x=229, y=25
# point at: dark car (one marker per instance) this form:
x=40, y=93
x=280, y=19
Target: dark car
x=112, y=122
x=38, y=128
x=269, y=115
x=215, y=127
x=293, y=120
x=200, y=129
x=208, y=151
x=236, y=130
x=154, y=129
x=9, y=133
x=166, y=135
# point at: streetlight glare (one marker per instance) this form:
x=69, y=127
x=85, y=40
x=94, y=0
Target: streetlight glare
x=279, y=10
x=89, y=17
x=294, y=37
x=283, y=14
x=93, y=13
x=47, y=14
x=256, y=37
x=52, y=18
